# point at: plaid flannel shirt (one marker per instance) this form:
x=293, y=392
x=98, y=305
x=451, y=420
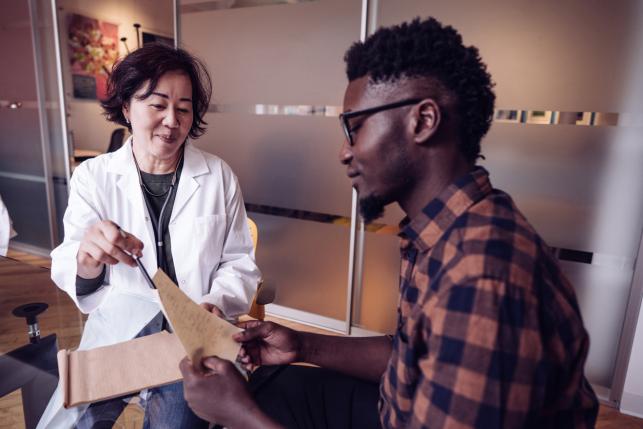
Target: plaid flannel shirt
x=489, y=331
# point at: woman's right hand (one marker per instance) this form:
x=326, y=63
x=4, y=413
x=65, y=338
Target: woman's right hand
x=105, y=243
x=267, y=343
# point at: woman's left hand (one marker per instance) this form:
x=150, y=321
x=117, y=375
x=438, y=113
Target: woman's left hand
x=213, y=309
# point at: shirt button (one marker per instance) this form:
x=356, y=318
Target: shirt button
x=147, y=219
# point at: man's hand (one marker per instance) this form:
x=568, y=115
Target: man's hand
x=104, y=243
x=220, y=395
x=211, y=308
x=266, y=343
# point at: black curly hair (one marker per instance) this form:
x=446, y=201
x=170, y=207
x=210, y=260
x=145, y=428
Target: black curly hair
x=427, y=48
x=149, y=63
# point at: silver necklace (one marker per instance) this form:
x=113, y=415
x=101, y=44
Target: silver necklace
x=144, y=186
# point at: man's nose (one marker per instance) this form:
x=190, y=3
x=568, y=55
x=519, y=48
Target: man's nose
x=345, y=153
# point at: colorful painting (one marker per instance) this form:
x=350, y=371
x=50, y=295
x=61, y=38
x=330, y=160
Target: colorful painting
x=93, y=49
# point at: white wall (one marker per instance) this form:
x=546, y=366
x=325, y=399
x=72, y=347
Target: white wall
x=90, y=129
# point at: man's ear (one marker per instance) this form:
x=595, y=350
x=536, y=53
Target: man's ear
x=427, y=118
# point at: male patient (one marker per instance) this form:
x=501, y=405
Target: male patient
x=489, y=331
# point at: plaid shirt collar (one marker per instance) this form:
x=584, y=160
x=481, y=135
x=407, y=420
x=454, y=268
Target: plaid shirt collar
x=425, y=229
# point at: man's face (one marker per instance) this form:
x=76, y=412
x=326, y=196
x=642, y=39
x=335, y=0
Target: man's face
x=378, y=162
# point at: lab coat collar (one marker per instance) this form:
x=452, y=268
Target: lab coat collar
x=122, y=162
x=194, y=165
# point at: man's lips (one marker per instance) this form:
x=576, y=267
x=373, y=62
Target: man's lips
x=352, y=173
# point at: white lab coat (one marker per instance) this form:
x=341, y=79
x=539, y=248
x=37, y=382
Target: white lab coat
x=6, y=231
x=211, y=249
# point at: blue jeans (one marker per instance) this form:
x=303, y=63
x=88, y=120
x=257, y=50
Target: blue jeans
x=164, y=407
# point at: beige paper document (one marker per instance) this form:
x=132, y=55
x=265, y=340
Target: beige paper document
x=201, y=332
x=120, y=369
x=150, y=361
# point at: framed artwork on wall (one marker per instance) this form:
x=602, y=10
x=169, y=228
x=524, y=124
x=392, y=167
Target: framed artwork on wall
x=93, y=49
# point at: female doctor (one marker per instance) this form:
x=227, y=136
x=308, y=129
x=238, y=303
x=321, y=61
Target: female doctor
x=160, y=198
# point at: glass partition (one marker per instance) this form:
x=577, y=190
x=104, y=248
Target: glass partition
x=277, y=92
x=24, y=181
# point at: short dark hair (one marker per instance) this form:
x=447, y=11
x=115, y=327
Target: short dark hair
x=149, y=63
x=429, y=49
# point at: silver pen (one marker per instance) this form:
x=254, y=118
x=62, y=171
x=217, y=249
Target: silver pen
x=137, y=259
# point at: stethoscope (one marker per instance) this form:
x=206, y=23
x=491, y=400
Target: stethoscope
x=158, y=223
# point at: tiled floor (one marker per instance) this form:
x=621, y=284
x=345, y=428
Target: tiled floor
x=68, y=322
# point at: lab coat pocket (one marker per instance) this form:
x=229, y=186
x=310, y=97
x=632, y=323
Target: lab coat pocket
x=209, y=237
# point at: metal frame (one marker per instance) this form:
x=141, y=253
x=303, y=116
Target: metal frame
x=176, y=22
x=354, y=269
x=61, y=93
x=628, y=330
x=44, y=128
x=356, y=245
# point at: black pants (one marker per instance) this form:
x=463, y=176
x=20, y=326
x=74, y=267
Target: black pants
x=305, y=397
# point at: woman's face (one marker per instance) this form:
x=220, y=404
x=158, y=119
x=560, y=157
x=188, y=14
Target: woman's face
x=161, y=122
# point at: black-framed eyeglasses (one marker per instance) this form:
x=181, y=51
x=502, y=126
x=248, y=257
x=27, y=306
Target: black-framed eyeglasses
x=344, y=118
